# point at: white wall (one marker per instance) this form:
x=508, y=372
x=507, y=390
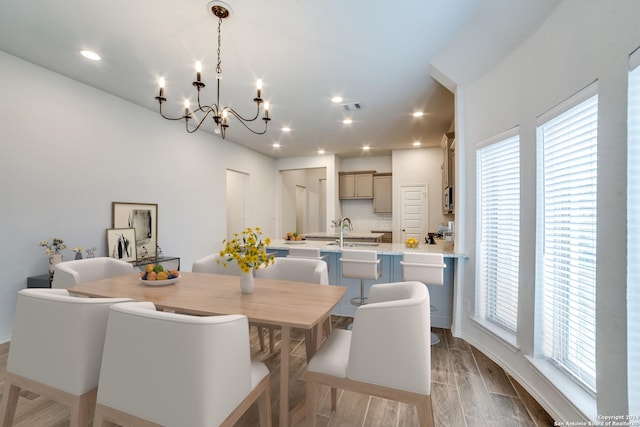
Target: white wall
x=582, y=41
x=67, y=151
x=419, y=166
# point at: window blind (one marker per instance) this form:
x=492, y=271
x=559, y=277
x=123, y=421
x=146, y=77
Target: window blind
x=633, y=241
x=567, y=188
x=498, y=225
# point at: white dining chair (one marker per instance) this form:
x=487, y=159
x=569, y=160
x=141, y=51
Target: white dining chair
x=215, y=264
x=299, y=270
x=169, y=369
x=426, y=268
x=374, y=358
x=361, y=265
x=56, y=350
x=69, y=273
x=311, y=253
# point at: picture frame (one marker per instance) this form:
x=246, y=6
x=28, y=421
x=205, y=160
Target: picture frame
x=121, y=244
x=143, y=218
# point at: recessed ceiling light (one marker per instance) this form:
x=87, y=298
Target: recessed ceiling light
x=347, y=121
x=416, y=143
x=275, y=145
x=366, y=148
x=336, y=99
x=320, y=151
x=90, y=55
x=286, y=129
x=418, y=114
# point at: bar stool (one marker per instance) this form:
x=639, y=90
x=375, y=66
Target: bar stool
x=425, y=268
x=360, y=265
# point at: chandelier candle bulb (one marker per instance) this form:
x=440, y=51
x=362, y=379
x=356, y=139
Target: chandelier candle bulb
x=161, y=83
x=266, y=110
x=198, y=71
x=259, y=87
x=186, y=108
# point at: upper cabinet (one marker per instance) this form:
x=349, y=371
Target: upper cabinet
x=356, y=185
x=382, y=193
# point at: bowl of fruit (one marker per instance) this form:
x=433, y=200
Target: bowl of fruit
x=156, y=275
x=293, y=238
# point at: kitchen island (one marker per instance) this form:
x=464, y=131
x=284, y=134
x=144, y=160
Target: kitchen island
x=390, y=255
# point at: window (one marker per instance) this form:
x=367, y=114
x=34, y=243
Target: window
x=633, y=237
x=498, y=228
x=566, y=244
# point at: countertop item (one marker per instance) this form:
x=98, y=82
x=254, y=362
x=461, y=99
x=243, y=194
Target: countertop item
x=445, y=248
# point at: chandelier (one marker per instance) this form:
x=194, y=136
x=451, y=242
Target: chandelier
x=218, y=113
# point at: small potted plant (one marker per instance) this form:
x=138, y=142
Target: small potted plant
x=248, y=250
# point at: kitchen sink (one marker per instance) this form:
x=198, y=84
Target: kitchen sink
x=353, y=244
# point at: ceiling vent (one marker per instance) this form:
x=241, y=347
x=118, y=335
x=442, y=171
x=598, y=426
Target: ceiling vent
x=352, y=106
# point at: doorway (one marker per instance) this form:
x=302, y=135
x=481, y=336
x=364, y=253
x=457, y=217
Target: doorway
x=237, y=190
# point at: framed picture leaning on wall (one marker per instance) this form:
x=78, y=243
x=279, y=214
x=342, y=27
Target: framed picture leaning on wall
x=121, y=244
x=143, y=218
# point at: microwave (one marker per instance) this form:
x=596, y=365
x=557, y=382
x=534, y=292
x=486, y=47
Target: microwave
x=447, y=200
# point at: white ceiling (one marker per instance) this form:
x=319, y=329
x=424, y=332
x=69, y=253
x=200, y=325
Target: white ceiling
x=381, y=55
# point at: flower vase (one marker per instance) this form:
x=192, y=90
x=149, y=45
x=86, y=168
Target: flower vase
x=246, y=282
x=53, y=260
x=78, y=255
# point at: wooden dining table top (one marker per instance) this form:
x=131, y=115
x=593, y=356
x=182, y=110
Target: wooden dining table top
x=273, y=302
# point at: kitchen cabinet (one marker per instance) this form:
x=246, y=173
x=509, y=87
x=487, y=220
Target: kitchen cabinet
x=356, y=185
x=382, y=193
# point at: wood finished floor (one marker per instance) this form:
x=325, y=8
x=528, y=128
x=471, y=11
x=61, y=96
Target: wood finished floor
x=468, y=390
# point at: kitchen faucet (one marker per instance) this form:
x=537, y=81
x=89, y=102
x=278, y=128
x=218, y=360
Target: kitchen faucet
x=343, y=222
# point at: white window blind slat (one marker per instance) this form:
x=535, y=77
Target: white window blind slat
x=498, y=199
x=633, y=236
x=567, y=196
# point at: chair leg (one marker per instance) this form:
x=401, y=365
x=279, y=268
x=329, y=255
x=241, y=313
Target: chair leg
x=334, y=399
x=80, y=408
x=272, y=340
x=264, y=406
x=425, y=412
x=261, y=337
x=9, y=404
x=312, y=401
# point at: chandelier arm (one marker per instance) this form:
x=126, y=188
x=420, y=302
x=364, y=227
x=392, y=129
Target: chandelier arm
x=170, y=118
x=243, y=122
x=239, y=117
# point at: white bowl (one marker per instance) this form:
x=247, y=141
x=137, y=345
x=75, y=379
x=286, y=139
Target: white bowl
x=160, y=282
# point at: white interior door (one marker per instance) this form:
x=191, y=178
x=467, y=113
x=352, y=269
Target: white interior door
x=237, y=189
x=413, y=211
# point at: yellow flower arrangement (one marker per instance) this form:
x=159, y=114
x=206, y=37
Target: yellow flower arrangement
x=248, y=250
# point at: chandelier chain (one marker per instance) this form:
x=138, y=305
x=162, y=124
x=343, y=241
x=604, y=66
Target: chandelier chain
x=218, y=66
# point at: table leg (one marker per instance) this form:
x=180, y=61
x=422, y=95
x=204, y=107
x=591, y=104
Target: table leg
x=285, y=336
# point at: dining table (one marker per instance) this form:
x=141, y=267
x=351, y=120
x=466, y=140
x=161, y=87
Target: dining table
x=277, y=303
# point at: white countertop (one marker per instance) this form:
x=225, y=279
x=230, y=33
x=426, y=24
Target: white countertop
x=347, y=235
x=441, y=246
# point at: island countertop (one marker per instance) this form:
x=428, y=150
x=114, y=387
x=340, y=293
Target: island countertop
x=445, y=248
x=350, y=235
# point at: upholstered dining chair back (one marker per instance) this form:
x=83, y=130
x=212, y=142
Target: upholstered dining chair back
x=304, y=253
x=398, y=316
x=56, y=349
x=296, y=270
x=178, y=370
x=69, y=273
x=209, y=264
